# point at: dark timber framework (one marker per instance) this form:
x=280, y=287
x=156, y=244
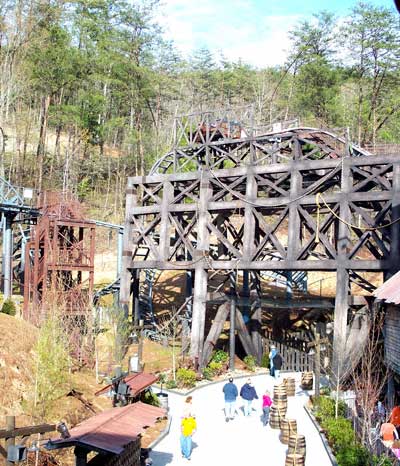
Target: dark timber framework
x=300, y=200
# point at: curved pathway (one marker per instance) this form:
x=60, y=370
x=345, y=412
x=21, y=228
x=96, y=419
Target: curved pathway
x=241, y=441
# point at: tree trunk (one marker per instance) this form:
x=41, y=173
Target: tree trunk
x=44, y=113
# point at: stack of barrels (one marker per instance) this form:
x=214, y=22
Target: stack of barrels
x=290, y=385
x=306, y=381
x=296, y=454
x=288, y=429
x=279, y=406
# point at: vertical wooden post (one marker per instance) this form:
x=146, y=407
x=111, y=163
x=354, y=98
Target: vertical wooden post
x=342, y=275
x=395, y=228
x=232, y=350
x=317, y=360
x=128, y=242
x=294, y=227
x=10, y=442
x=201, y=275
x=165, y=227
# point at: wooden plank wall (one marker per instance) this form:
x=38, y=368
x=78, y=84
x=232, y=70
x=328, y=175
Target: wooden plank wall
x=293, y=360
x=392, y=337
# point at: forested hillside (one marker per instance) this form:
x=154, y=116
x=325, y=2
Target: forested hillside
x=89, y=88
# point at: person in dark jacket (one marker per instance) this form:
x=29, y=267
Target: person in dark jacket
x=248, y=393
x=278, y=361
x=230, y=394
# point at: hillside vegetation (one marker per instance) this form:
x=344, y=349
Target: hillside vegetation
x=89, y=89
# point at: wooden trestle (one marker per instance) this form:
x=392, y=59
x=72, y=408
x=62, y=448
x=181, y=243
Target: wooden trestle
x=303, y=199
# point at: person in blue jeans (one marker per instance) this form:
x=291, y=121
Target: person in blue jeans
x=230, y=394
x=248, y=393
x=188, y=428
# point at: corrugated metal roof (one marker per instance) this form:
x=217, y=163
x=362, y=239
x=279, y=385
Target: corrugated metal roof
x=390, y=290
x=111, y=430
x=137, y=383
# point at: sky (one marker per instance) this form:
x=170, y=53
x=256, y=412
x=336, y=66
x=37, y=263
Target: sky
x=252, y=30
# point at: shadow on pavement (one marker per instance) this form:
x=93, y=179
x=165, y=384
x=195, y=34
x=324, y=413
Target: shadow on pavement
x=161, y=458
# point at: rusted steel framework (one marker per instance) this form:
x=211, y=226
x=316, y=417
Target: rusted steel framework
x=302, y=199
x=59, y=259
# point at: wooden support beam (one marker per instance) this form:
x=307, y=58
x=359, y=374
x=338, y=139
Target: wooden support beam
x=244, y=335
x=215, y=332
x=314, y=265
x=165, y=227
x=201, y=275
x=395, y=228
x=303, y=165
x=128, y=241
x=232, y=321
x=342, y=276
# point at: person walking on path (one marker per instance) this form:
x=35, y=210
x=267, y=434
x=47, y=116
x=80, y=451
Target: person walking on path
x=188, y=428
x=248, y=393
x=230, y=394
x=188, y=407
x=272, y=353
x=266, y=405
x=277, y=361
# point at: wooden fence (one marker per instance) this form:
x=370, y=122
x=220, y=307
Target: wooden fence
x=294, y=360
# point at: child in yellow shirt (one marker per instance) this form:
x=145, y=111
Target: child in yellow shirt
x=188, y=428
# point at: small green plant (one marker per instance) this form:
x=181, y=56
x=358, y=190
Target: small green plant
x=325, y=407
x=265, y=360
x=220, y=357
x=186, y=377
x=208, y=374
x=216, y=367
x=8, y=307
x=250, y=362
x=150, y=398
x=339, y=431
x=169, y=384
x=162, y=378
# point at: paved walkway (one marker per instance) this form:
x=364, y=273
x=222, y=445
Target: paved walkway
x=239, y=442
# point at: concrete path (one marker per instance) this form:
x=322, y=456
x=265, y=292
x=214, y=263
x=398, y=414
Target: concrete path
x=241, y=441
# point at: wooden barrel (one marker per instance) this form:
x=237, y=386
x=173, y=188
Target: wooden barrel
x=280, y=401
x=276, y=415
x=297, y=445
x=279, y=390
x=306, y=381
x=290, y=384
x=288, y=428
x=295, y=460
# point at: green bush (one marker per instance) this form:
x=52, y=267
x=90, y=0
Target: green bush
x=220, y=357
x=250, y=362
x=354, y=455
x=208, y=374
x=9, y=307
x=150, y=398
x=186, y=378
x=170, y=384
x=265, y=360
x=324, y=407
x=216, y=367
x=340, y=432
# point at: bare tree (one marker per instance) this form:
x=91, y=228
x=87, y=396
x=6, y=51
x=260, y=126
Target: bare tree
x=370, y=375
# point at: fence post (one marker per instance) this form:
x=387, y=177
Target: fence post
x=10, y=422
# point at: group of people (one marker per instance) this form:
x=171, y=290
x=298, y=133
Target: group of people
x=248, y=394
